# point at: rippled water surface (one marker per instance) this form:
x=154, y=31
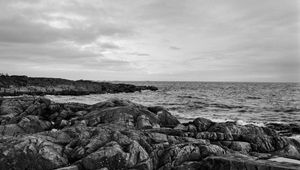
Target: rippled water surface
x=250, y=102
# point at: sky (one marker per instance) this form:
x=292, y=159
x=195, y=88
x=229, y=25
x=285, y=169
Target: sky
x=152, y=40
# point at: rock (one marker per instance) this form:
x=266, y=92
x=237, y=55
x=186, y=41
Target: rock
x=11, y=130
x=181, y=127
x=191, y=128
x=238, y=131
x=20, y=85
x=187, y=153
x=243, y=147
x=166, y=119
x=73, y=167
x=285, y=129
x=266, y=143
x=32, y=124
x=202, y=124
x=63, y=123
x=122, y=113
x=190, y=165
x=209, y=150
x=138, y=157
x=30, y=153
x=117, y=134
x=156, y=109
x=214, y=136
x=289, y=151
x=177, y=154
x=167, y=131
x=15, y=106
x=158, y=137
x=263, y=156
x=144, y=123
x=110, y=156
x=238, y=163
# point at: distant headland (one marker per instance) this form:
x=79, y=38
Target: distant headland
x=14, y=85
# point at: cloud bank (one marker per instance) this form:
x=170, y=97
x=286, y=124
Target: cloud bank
x=232, y=40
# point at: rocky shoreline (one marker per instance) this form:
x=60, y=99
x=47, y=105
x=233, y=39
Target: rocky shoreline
x=36, y=133
x=20, y=85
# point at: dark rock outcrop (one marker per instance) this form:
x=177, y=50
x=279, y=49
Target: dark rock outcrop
x=19, y=85
x=284, y=128
x=36, y=133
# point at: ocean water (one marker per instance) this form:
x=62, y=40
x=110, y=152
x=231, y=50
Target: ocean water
x=247, y=102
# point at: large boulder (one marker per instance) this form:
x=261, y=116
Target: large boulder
x=166, y=119
x=12, y=110
x=176, y=155
x=202, y=124
x=113, y=156
x=32, y=153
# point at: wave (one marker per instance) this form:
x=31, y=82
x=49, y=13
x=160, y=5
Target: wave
x=253, y=97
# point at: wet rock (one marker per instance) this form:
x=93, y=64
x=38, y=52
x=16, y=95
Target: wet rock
x=156, y=109
x=202, y=124
x=166, y=119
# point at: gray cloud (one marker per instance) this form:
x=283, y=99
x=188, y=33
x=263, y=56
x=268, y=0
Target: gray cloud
x=231, y=40
x=174, y=48
x=139, y=54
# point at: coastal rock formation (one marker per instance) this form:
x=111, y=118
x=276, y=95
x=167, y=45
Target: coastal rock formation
x=19, y=85
x=36, y=133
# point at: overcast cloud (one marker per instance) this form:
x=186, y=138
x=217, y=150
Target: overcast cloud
x=188, y=40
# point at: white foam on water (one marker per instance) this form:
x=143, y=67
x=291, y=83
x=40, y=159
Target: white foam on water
x=243, y=123
x=183, y=118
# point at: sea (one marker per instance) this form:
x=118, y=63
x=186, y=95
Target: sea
x=254, y=103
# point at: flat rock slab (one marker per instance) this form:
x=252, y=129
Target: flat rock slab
x=238, y=163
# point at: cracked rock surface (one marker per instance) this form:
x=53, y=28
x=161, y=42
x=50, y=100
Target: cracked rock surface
x=36, y=133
